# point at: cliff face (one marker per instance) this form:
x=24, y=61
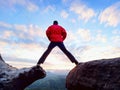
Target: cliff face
x=95, y=75
x=12, y=78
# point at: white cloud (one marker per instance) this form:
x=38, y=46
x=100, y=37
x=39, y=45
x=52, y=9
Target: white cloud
x=35, y=50
x=116, y=39
x=28, y=51
x=31, y=31
x=111, y=15
x=22, y=49
x=6, y=25
x=2, y=44
x=49, y=8
x=22, y=28
x=7, y=34
x=64, y=14
x=99, y=52
x=22, y=33
x=84, y=34
x=71, y=36
x=31, y=6
x=116, y=32
x=11, y=4
x=29, y=54
x=19, y=64
x=84, y=12
x=100, y=38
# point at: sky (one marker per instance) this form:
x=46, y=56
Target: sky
x=93, y=31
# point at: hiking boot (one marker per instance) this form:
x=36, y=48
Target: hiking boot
x=38, y=65
x=76, y=62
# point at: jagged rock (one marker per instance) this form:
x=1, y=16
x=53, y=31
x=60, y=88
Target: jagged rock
x=12, y=78
x=95, y=75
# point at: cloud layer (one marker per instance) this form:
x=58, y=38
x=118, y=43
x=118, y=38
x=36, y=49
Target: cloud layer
x=92, y=33
x=12, y=4
x=84, y=12
x=111, y=15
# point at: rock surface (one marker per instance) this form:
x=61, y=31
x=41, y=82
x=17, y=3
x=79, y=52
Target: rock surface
x=12, y=78
x=95, y=75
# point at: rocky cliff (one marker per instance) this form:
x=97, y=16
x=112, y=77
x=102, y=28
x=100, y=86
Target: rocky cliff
x=12, y=78
x=95, y=75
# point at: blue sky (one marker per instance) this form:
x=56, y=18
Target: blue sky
x=93, y=30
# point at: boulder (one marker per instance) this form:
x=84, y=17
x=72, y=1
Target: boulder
x=12, y=78
x=95, y=75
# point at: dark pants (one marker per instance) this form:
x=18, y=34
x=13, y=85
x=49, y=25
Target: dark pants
x=62, y=47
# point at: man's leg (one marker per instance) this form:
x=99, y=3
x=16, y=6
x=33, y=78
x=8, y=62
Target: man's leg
x=46, y=53
x=69, y=55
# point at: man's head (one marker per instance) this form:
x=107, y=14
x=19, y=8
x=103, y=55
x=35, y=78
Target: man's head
x=55, y=22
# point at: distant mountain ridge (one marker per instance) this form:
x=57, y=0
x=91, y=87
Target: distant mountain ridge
x=52, y=81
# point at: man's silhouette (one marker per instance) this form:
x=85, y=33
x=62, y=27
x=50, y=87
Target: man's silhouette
x=56, y=34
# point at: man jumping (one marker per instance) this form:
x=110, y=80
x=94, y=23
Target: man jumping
x=56, y=34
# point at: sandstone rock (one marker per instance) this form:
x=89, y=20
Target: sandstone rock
x=95, y=75
x=12, y=78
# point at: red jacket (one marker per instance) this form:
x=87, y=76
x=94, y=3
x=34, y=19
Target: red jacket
x=56, y=33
